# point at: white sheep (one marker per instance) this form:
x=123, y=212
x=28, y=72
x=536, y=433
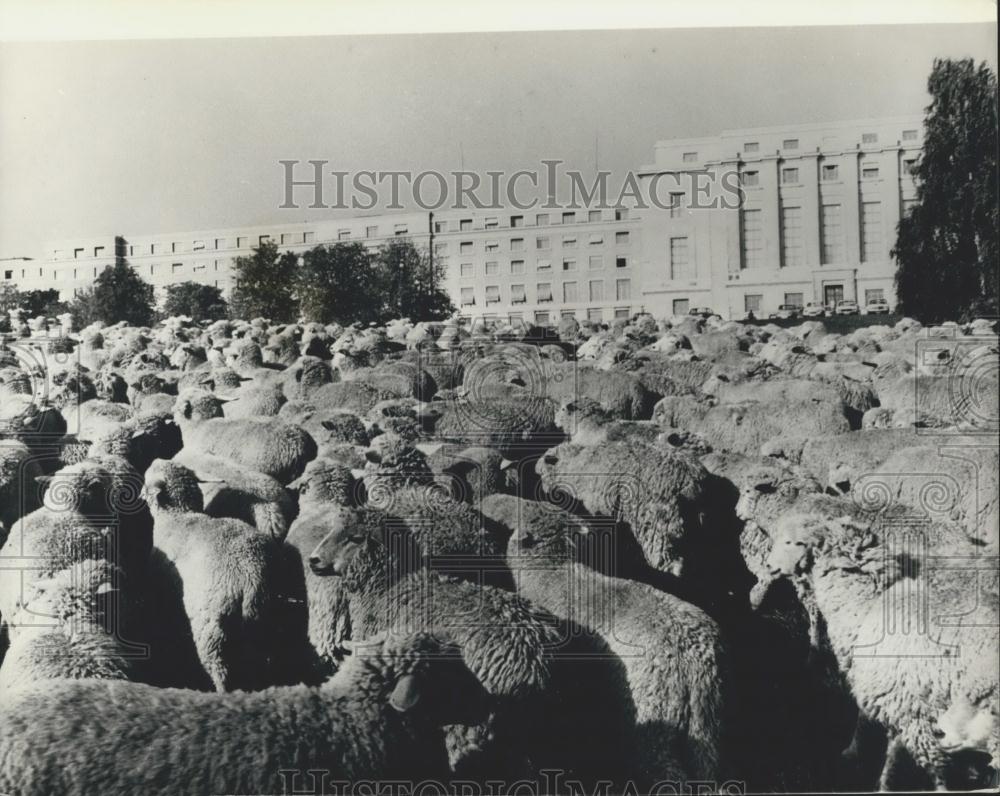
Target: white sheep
x=379, y=717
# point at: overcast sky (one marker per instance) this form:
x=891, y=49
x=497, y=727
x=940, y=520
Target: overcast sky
x=160, y=136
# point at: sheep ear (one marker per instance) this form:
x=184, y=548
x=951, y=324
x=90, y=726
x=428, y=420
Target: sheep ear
x=506, y=464
x=429, y=448
x=406, y=694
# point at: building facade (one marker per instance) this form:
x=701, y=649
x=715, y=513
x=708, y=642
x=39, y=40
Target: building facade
x=744, y=221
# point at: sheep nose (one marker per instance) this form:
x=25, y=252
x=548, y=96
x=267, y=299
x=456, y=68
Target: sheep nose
x=775, y=570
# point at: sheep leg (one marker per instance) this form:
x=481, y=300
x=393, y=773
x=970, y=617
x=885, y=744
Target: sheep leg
x=211, y=641
x=892, y=751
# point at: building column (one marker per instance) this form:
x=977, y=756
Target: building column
x=809, y=164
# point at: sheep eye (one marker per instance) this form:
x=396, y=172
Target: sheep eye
x=357, y=539
x=800, y=544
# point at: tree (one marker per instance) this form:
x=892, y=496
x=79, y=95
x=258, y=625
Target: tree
x=119, y=294
x=946, y=247
x=410, y=284
x=199, y=302
x=338, y=284
x=265, y=285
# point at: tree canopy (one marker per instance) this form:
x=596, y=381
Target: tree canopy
x=199, y=302
x=118, y=294
x=265, y=285
x=410, y=284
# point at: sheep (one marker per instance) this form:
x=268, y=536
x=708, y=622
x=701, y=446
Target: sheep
x=472, y=473
x=232, y=491
x=380, y=717
x=140, y=440
x=18, y=495
x=586, y=422
x=673, y=653
x=264, y=400
x=280, y=450
x=233, y=580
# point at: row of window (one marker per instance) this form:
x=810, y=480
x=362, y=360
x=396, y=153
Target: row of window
x=542, y=243
x=595, y=263
x=541, y=220
x=543, y=293
x=753, y=302
x=544, y=317
x=830, y=172
x=793, y=143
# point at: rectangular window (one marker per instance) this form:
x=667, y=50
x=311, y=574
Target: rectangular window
x=789, y=176
x=621, y=214
x=871, y=232
x=517, y=244
x=99, y=251
x=371, y=232
x=750, y=178
x=567, y=314
x=261, y=241
x=465, y=269
x=516, y=221
x=597, y=290
x=242, y=242
x=681, y=306
x=492, y=268
x=440, y=248
x=831, y=172
x=676, y=200
x=596, y=239
x=909, y=135
x=286, y=237
x=308, y=237
x=176, y=247
x=791, y=237
x=594, y=215
x=468, y=296
x=753, y=241
x=621, y=238
x=492, y=246
x=465, y=224
x=621, y=313
x=595, y=315
x=908, y=165
x=869, y=173
x=869, y=138
x=491, y=223
x=77, y=253
x=465, y=247
x=493, y=294
x=908, y=205
x=794, y=300
x=623, y=289
x=751, y=302
x=569, y=217
x=569, y=242
x=220, y=243
x=439, y=226
x=790, y=143
x=831, y=234
x=689, y=157
x=569, y=292
x=515, y=317
x=569, y=265
x=517, y=295
x=541, y=219
x=544, y=265
x=680, y=267
x=621, y=262
x=542, y=242
x=596, y=262
x=544, y=291
x=751, y=146
x=874, y=294
x=176, y=267
x=517, y=266
x=401, y=229
x=343, y=234
x=541, y=318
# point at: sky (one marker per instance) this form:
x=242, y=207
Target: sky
x=148, y=136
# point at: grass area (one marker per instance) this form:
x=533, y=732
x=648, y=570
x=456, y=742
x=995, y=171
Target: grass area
x=837, y=324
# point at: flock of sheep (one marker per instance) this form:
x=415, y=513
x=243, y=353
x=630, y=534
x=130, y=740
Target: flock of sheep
x=242, y=557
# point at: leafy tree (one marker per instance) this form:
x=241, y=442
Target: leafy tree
x=199, y=302
x=338, y=283
x=119, y=294
x=946, y=247
x=265, y=285
x=410, y=284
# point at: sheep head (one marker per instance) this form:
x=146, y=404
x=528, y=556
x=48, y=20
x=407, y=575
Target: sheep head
x=970, y=724
x=355, y=549
x=170, y=486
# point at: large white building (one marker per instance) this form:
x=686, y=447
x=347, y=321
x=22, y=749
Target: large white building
x=747, y=220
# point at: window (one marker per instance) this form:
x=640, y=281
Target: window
x=909, y=135
x=544, y=265
x=596, y=239
x=597, y=290
x=595, y=315
x=569, y=292
x=871, y=232
x=621, y=214
x=242, y=242
x=908, y=165
x=465, y=269
x=869, y=138
x=751, y=302
x=596, y=262
x=569, y=242
x=198, y=267
x=874, y=294
x=220, y=243
x=371, y=232
x=753, y=242
x=541, y=219
x=440, y=248
x=621, y=313
x=515, y=317
x=493, y=294
x=491, y=223
x=516, y=221
x=689, y=157
x=623, y=289
x=908, y=205
x=176, y=247
x=567, y=314
x=790, y=143
x=594, y=215
x=568, y=218
x=621, y=262
x=465, y=247
x=465, y=224
x=401, y=229
x=541, y=318
x=751, y=146
x=77, y=253
x=544, y=291
x=791, y=237
x=621, y=238
x=261, y=240
x=439, y=226
x=831, y=172
x=517, y=295
x=542, y=242
x=99, y=251
x=679, y=262
x=681, y=306
x=869, y=173
x=286, y=237
x=492, y=245
x=492, y=268
x=343, y=234
x=175, y=267
x=750, y=178
x=789, y=176
x=517, y=266
x=517, y=244
x=831, y=235
x=569, y=265
x=794, y=300
x=468, y=296
x=675, y=204
x=8, y=274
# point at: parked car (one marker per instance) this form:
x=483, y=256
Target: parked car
x=813, y=309
x=847, y=307
x=877, y=306
x=701, y=312
x=786, y=312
